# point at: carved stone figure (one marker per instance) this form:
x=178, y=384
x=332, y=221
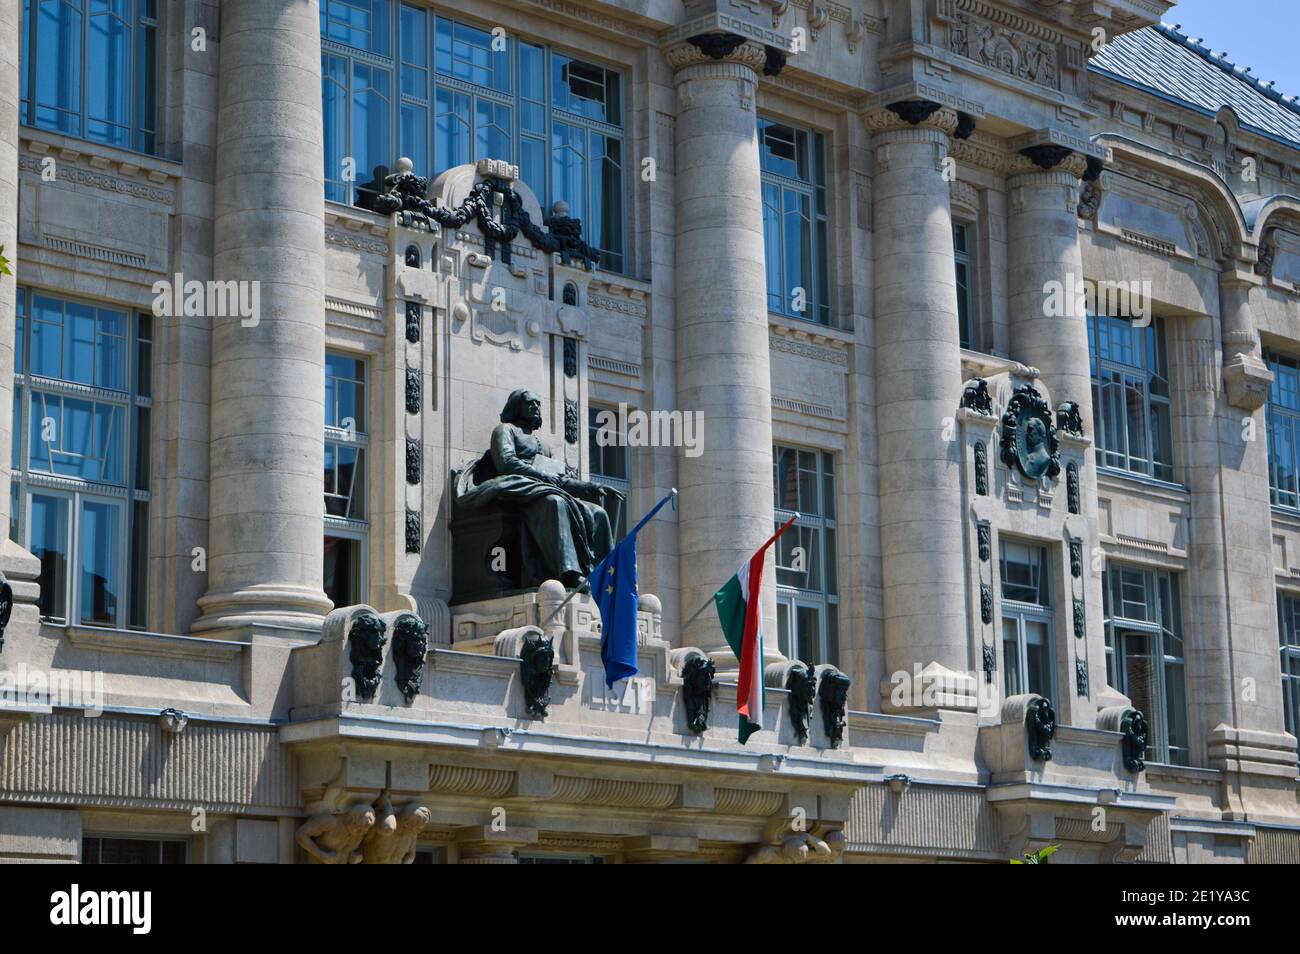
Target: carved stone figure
x=1133, y=725
x=410, y=646
x=1068, y=419
x=366, y=652
x=568, y=530
x=1081, y=677
x=990, y=662
x=1040, y=727
x=833, y=696
x=334, y=839
x=1080, y=619
x=1028, y=435
x=784, y=845
x=697, y=693
x=536, y=667
x=802, y=685
x=1076, y=558
x=391, y=840
x=975, y=395
x=1072, y=486
x=985, y=533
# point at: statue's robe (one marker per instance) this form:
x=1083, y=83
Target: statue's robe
x=566, y=535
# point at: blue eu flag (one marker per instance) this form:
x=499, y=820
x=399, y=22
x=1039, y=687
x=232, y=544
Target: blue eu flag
x=613, y=584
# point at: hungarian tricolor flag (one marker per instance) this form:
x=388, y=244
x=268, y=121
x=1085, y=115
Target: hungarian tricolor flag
x=742, y=624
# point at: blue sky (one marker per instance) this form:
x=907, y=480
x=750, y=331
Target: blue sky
x=1261, y=34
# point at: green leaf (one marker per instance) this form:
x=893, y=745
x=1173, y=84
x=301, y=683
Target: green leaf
x=4, y=263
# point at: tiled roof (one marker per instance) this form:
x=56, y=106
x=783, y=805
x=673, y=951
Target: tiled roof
x=1164, y=61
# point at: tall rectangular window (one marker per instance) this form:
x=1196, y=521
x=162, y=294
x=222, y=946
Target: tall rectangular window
x=961, y=251
x=444, y=93
x=347, y=441
x=611, y=464
x=793, y=164
x=1027, y=650
x=1284, y=431
x=807, y=576
x=1145, y=658
x=1130, y=396
x=1288, y=635
x=81, y=456
x=89, y=70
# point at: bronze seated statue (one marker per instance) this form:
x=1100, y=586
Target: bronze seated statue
x=519, y=517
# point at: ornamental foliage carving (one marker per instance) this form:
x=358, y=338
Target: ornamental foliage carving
x=494, y=206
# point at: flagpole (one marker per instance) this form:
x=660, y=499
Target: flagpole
x=709, y=601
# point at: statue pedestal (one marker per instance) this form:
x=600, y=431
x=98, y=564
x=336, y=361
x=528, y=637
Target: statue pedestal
x=474, y=626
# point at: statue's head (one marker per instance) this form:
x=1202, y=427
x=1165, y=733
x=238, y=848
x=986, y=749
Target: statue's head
x=410, y=637
x=359, y=817
x=523, y=409
x=1035, y=434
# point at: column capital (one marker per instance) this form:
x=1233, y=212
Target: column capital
x=918, y=114
x=1047, y=163
x=730, y=49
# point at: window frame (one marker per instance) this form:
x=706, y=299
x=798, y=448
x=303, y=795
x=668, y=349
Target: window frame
x=1157, y=408
x=1167, y=627
x=142, y=30
x=815, y=191
x=1023, y=612
x=135, y=407
x=966, y=326
x=1278, y=416
x=791, y=598
x=159, y=840
x=434, y=83
x=1288, y=604
x=348, y=526
x=597, y=476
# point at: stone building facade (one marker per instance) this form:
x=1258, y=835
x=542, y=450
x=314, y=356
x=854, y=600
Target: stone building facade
x=1000, y=299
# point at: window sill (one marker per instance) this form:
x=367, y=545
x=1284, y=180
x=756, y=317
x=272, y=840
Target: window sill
x=1121, y=477
x=806, y=327
x=157, y=168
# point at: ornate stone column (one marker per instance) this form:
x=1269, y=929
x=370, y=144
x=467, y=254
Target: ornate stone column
x=722, y=349
x=1043, y=248
x=918, y=390
x=1234, y=683
x=268, y=381
x=1045, y=265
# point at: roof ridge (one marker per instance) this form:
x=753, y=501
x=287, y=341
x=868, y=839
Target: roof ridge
x=1174, y=33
